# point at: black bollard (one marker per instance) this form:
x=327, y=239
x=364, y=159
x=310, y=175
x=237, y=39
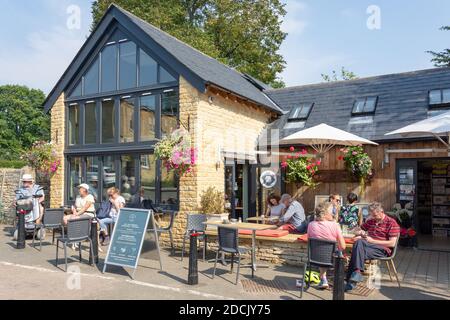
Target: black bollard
x=21, y=231
x=193, y=269
x=94, y=238
x=339, y=275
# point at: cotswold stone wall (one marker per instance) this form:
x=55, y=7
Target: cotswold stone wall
x=58, y=139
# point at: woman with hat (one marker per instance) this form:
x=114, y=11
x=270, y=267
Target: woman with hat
x=84, y=204
x=29, y=189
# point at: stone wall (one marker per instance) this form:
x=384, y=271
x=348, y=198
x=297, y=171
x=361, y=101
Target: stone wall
x=58, y=139
x=9, y=182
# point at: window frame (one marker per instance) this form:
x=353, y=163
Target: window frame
x=441, y=104
x=304, y=118
x=364, y=113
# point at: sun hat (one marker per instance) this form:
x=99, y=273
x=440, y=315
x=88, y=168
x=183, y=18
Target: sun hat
x=84, y=186
x=27, y=178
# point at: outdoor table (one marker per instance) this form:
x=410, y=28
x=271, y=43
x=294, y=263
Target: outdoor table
x=245, y=226
x=263, y=219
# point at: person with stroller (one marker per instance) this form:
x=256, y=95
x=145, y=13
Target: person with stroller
x=30, y=189
x=108, y=212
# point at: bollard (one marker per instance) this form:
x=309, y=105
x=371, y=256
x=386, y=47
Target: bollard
x=94, y=238
x=339, y=275
x=193, y=269
x=21, y=230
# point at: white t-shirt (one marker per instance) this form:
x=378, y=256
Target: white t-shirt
x=81, y=202
x=119, y=200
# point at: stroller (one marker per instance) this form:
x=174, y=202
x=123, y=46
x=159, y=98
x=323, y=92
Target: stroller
x=25, y=205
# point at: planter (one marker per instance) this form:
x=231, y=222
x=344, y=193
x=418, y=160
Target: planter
x=216, y=218
x=408, y=242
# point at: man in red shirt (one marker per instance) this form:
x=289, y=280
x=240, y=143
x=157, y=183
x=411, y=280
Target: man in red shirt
x=375, y=239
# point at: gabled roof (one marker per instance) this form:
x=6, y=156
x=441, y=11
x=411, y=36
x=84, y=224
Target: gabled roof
x=197, y=68
x=402, y=100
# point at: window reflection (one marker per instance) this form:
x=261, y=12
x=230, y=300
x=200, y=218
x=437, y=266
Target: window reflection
x=109, y=69
x=169, y=194
x=148, y=70
x=108, y=130
x=127, y=65
x=128, y=179
x=90, y=123
x=92, y=176
x=148, y=177
x=109, y=175
x=169, y=113
x=127, y=120
x=147, y=118
x=74, y=177
x=91, y=79
x=74, y=124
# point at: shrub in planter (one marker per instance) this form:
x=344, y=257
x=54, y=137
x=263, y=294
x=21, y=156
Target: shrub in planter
x=300, y=168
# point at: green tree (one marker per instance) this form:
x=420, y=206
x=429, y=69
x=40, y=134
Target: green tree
x=22, y=120
x=441, y=59
x=243, y=34
x=344, y=75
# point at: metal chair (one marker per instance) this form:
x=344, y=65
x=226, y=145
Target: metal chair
x=169, y=227
x=229, y=243
x=390, y=263
x=52, y=219
x=320, y=254
x=78, y=230
x=195, y=223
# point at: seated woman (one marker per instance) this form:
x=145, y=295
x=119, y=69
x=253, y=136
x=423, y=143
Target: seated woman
x=325, y=228
x=349, y=215
x=117, y=202
x=274, y=207
x=84, y=204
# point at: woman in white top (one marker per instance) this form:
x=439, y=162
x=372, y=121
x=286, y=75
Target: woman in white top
x=274, y=207
x=84, y=204
x=117, y=202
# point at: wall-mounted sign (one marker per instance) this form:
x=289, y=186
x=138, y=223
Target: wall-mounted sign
x=268, y=179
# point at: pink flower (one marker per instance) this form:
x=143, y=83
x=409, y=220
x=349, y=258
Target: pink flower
x=284, y=165
x=292, y=149
x=354, y=153
x=304, y=151
x=318, y=162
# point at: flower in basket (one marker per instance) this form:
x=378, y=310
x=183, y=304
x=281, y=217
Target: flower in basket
x=358, y=163
x=43, y=158
x=300, y=168
x=176, y=152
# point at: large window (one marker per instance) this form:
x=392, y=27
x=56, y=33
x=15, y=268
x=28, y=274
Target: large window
x=91, y=79
x=169, y=112
x=127, y=120
x=108, y=121
x=148, y=70
x=127, y=65
x=147, y=118
x=90, y=122
x=138, y=176
x=74, y=124
x=109, y=69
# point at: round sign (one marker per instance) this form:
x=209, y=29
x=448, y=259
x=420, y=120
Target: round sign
x=268, y=179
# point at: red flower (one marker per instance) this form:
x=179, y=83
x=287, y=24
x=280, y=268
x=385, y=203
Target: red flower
x=340, y=158
x=284, y=165
x=292, y=149
x=309, y=166
x=411, y=232
x=318, y=163
x=304, y=151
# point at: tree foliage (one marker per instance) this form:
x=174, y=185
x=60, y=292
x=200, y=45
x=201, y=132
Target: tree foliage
x=441, y=59
x=22, y=120
x=244, y=34
x=343, y=75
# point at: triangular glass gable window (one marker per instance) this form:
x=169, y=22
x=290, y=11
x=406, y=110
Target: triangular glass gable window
x=91, y=79
x=165, y=76
x=77, y=91
x=109, y=68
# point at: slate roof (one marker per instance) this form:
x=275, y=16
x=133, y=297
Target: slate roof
x=402, y=100
x=199, y=65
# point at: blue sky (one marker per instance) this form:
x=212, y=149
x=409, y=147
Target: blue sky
x=324, y=35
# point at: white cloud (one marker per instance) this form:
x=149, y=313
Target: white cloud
x=293, y=23
x=43, y=58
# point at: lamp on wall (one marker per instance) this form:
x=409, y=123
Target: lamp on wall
x=218, y=156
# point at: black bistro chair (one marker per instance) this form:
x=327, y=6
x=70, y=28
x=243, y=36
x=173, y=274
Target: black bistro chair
x=195, y=222
x=78, y=230
x=229, y=243
x=53, y=220
x=320, y=254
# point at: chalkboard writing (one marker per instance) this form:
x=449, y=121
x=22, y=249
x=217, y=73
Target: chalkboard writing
x=127, y=238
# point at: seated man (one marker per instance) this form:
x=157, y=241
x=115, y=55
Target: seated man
x=294, y=219
x=29, y=189
x=375, y=239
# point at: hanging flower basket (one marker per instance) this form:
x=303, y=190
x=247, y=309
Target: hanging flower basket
x=176, y=153
x=358, y=164
x=301, y=169
x=43, y=158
